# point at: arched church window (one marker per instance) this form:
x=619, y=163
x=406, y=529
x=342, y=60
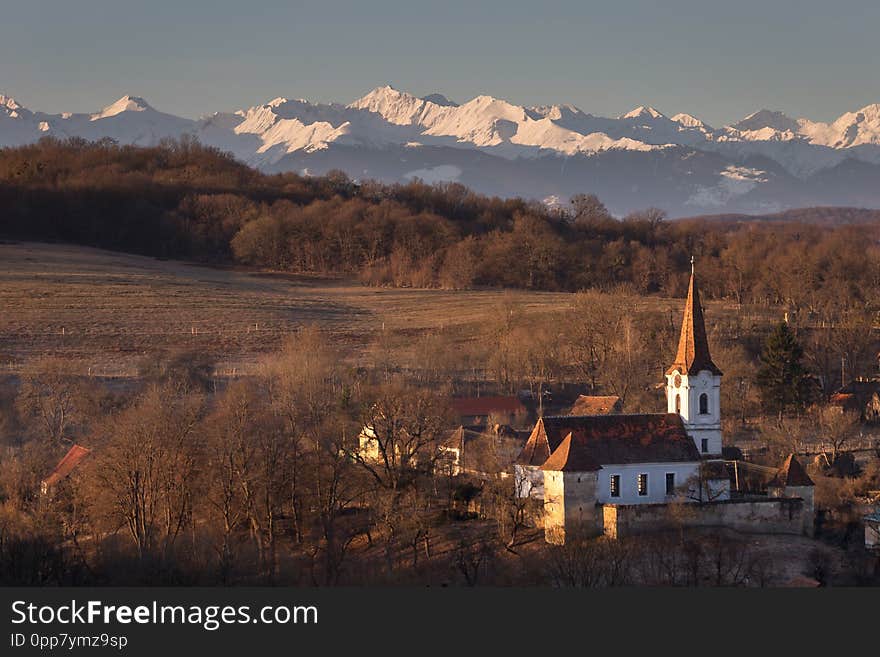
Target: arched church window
x=704, y=404
x=678, y=403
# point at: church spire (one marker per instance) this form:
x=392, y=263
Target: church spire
x=693, y=345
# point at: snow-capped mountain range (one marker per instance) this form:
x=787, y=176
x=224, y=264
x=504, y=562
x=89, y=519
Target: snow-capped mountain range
x=768, y=161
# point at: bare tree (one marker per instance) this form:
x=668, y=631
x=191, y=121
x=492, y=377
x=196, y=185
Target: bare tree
x=146, y=470
x=53, y=397
x=592, y=328
x=590, y=563
x=406, y=426
x=588, y=211
x=836, y=428
x=230, y=464
x=474, y=557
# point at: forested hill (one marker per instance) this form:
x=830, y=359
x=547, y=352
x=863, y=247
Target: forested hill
x=185, y=200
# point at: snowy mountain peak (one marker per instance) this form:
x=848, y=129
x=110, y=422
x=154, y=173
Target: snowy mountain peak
x=484, y=104
x=381, y=95
x=767, y=119
x=397, y=107
x=439, y=99
x=689, y=121
x=642, y=112
x=9, y=103
x=850, y=129
x=554, y=112
x=124, y=104
x=872, y=110
x=869, y=114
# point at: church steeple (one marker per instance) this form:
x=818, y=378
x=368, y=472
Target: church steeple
x=693, y=345
x=693, y=382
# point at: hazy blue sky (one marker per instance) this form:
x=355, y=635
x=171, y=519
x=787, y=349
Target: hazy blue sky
x=717, y=60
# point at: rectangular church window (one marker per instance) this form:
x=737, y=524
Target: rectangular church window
x=670, y=483
x=643, y=484
x=615, y=485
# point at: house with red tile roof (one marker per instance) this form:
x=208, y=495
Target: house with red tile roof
x=509, y=410
x=70, y=461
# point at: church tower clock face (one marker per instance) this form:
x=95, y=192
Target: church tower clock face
x=677, y=381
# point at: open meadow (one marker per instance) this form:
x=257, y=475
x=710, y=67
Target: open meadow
x=106, y=310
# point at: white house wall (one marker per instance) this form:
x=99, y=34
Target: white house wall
x=629, y=492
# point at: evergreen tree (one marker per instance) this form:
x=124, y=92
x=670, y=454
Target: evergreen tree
x=782, y=378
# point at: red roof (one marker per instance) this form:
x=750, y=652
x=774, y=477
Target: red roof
x=595, y=405
x=66, y=465
x=791, y=473
x=615, y=439
x=486, y=405
x=545, y=437
x=693, y=344
x=846, y=400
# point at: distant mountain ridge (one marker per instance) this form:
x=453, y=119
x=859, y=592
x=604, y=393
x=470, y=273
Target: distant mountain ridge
x=766, y=163
x=820, y=216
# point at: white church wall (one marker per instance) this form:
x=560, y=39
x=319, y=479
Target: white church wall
x=656, y=490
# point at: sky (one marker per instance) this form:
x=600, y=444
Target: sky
x=719, y=61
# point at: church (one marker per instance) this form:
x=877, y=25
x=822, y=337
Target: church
x=597, y=473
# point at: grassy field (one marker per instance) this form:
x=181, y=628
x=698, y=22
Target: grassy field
x=108, y=310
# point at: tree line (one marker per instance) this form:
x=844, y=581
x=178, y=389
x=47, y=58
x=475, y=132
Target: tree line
x=184, y=200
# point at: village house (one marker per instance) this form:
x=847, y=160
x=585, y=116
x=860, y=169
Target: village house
x=616, y=474
x=472, y=411
x=861, y=396
x=487, y=427
x=478, y=449
x=68, y=463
